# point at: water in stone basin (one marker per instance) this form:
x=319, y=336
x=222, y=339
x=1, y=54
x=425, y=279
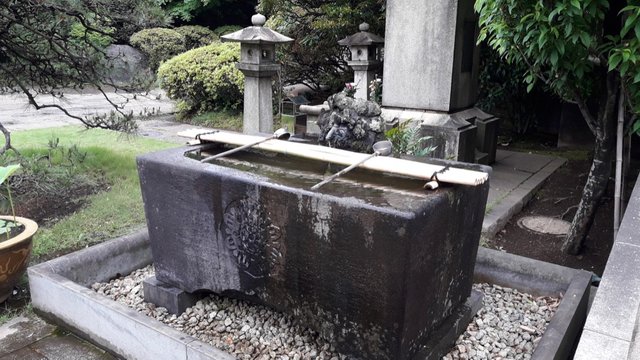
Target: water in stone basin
x=373, y=188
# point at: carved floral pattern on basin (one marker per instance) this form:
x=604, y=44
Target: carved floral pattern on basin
x=254, y=241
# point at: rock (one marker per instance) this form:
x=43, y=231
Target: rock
x=127, y=67
x=351, y=124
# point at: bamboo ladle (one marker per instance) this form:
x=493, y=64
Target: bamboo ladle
x=280, y=134
x=381, y=148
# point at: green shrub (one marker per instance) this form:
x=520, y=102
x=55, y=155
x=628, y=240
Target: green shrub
x=159, y=44
x=196, y=36
x=204, y=79
x=226, y=29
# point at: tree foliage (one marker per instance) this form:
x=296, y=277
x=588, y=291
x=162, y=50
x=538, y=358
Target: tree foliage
x=47, y=46
x=315, y=58
x=213, y=13
x=585, y=51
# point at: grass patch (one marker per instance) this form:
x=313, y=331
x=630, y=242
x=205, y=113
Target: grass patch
x=217, y=119
x=8, y=313
x=107, y=214
x=231, y=121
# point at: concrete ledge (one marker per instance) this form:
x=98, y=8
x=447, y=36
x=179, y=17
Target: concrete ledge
x=131, y=335
x=612, y=328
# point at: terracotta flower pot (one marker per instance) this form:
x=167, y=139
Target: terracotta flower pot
x=14, y=255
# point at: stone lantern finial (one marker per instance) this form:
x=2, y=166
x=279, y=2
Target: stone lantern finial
x=364, y=27
x=258, y=20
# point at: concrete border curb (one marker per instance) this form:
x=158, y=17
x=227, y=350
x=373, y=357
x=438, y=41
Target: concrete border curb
x=542, y=279
x=59, y=290
x=60, y=293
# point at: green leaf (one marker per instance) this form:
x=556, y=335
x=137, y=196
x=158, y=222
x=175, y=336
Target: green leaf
x=585, y=38
x=530, y=87
x=576, y=4
x=6, y=171
x=614, y=60
x=636, y=79
x=628, y=24
x=636, y=127
x=553, y=57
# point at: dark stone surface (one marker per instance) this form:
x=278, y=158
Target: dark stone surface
x=175, y=300
x=375, y=279
x=445, y=336
x=487, y=137
x=351, y=124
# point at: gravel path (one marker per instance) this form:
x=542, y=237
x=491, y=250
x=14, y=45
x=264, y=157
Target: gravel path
x=508, y=326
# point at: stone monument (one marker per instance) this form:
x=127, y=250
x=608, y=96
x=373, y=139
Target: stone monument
x=431, y=76
x=366, y=53
x=258, y=64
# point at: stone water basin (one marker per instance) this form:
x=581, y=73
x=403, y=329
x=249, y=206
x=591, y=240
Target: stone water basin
x=373, y=262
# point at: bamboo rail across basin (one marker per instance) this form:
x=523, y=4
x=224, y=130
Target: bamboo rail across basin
x=390, y=165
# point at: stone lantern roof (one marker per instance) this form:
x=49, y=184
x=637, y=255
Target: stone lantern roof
x=362, y=38
x=256, y=34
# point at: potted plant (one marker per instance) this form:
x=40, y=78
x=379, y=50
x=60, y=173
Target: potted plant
x=15, y=242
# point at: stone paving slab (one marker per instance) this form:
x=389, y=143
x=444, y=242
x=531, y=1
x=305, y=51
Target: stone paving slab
x=22, y=331
x=512, y=185
x=31, y=338
x=601, y=347
x=522, y=161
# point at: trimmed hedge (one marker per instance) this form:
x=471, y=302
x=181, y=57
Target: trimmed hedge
x=196, y=36
x=226, y=29
x=204, y=79
x=159, y=44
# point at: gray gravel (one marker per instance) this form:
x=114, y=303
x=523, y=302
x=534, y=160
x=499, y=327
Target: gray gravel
x=507, y=327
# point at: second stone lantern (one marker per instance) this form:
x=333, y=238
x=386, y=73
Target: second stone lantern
x=366, y=58
x=258, y=64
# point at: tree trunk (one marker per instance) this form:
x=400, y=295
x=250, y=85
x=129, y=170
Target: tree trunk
x=596, y=184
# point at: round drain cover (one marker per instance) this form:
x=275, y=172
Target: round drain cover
x=545, y=225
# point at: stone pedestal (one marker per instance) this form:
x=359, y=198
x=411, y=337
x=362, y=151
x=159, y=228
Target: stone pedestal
x=175, y=300
x=487, y=136
x=258, y=96
x=469, y=135
x=430, y=55
x=363, y=74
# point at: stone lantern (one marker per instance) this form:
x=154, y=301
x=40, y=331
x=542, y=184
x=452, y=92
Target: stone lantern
x=366, y=58
x=258, y=64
